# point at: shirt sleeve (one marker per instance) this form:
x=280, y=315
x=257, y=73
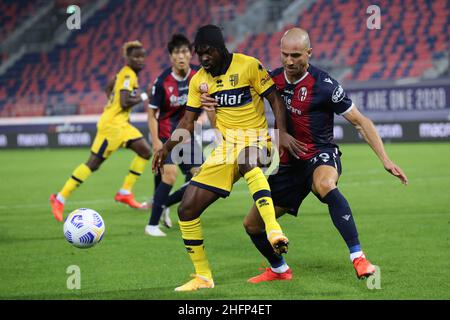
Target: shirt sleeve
x=337, y=98
x=127, y=81
x=194, y=103
x=158, y=94
x=259, y=78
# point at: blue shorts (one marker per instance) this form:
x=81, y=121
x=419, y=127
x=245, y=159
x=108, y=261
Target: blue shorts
x=193, y=159
x=292, y=183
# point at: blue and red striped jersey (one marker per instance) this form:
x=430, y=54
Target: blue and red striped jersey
x=169, y=96
x=311, y=103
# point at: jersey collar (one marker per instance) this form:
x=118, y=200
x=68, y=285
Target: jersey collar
x=287, y=80
x=178, y=78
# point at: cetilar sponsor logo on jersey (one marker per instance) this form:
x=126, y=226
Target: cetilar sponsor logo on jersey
x=234, y=97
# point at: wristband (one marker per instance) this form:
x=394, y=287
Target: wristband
x=144, y=96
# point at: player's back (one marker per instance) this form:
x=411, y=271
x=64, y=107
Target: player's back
x=238, y=91
x=114, y=114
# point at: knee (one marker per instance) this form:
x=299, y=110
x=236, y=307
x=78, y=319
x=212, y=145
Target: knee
x=186, y=211
x=93, y=165
x=146, y=153
x=324, y=186
x=169, y=178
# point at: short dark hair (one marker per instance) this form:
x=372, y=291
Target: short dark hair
x=178, y=40
x=210, y=35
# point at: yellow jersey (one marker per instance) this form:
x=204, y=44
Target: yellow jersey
x=114, y=114
x=239, y=93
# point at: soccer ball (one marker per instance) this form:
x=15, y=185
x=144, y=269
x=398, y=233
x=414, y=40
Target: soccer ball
x=84, y=228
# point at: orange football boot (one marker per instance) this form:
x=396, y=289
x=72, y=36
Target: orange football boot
x=269, y=275
x=363, y=267
x=128, y=199
x=57, y=207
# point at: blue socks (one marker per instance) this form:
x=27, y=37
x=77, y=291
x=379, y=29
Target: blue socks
x=159, y=200
x=263, y=245
x=342, y=217
x=176, y=196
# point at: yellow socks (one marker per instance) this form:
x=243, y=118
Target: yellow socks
x=79, y=175
x=192, y=234
x=260, y=190
x=136, y=169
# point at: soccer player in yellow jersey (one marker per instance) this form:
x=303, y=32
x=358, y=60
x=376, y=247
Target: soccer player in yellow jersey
x=239, y=83
x=114, y=131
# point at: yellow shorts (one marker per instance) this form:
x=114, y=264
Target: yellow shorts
x=220, y=170
x=111, y=138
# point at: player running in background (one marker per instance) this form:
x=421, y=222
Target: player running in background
x=169, y=97
x=239, y=82
x=312, y=98
x=114, y=131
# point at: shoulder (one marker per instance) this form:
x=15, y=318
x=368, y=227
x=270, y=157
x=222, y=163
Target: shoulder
x=319, y=74
x=243, y=59
x=194, y=67
x=328, y=86
x=324, y=81
x=126, y=71
x=199, y=74
x=163, y=76
x=277, y=73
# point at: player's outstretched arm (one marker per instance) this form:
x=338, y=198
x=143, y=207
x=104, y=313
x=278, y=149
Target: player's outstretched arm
x=287, y=141
x=153, y=128
x=368, y=131
x=185, y=127
x=127, y=101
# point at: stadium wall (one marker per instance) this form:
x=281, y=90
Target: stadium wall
x=79, y=131
x=406, y=113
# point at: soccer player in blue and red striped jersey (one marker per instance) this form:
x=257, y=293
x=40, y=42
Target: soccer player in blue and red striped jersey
x=312, y=98
x=168, y=101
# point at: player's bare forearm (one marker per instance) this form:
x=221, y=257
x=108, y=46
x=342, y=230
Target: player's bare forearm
x=368, y=131
x=212, y=118
x=186, y=123
x=373, y=139
x=152, y=123
x=278, y=108
x=127, y=101
x=286, y=141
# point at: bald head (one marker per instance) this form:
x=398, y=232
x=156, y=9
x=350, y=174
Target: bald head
x=295, y=50
x=297, y=36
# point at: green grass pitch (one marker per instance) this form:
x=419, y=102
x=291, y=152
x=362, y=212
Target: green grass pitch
x=404, y=230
